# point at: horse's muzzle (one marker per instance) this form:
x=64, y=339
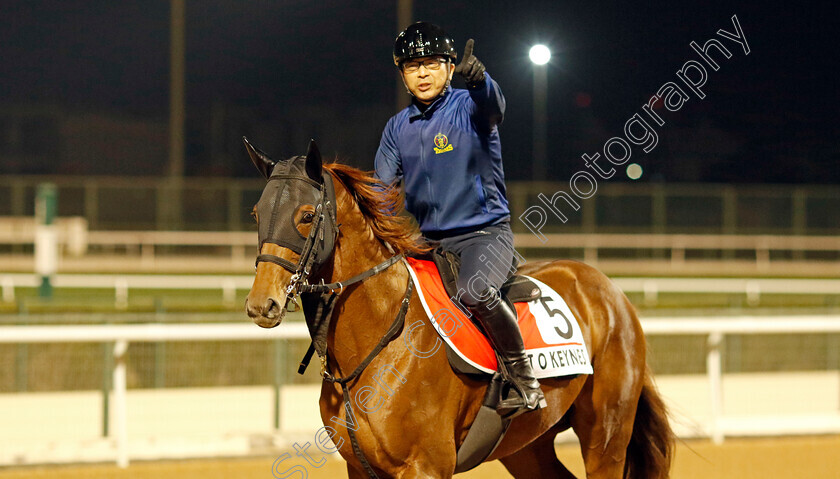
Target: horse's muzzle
x=266, y=315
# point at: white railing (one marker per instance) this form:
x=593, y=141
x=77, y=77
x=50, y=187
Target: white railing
x=123, y=283
x=753, y=288
x=122, y=335
x=147, y=241
x=651, y=287
x=74, y=234
x=715, y=330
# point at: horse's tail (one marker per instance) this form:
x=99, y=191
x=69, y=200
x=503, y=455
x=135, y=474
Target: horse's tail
x=651, y=446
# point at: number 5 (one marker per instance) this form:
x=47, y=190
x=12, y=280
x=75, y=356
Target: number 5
x=551, y=312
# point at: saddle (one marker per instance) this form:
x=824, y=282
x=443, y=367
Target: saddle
x=516, y=289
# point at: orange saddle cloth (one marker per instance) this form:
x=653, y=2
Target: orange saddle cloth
x=553, y=338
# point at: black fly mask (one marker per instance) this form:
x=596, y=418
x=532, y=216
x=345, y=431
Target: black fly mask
x=298, y=191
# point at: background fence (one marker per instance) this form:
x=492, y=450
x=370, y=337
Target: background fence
x=228, y=288
x=211, y=204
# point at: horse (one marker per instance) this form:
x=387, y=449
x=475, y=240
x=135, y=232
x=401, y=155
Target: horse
x=334, y=228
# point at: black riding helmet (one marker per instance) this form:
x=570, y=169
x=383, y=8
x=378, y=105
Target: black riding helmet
x=423, y=39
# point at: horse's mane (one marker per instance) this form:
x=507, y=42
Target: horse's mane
x=382, y=207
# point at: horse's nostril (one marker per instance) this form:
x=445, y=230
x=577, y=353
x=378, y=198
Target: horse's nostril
x=250, y=309
x=272, y=308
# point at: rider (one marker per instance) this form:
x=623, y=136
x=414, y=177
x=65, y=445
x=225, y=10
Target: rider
x=445, y=148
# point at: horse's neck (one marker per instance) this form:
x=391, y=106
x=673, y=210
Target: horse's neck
x=357, y=249
x=364, y=310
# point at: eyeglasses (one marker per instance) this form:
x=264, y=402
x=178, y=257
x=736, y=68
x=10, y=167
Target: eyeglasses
x=429, y=63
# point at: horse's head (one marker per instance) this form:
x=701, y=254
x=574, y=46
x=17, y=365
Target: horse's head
x=296, y=221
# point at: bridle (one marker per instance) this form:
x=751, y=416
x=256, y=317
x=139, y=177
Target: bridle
x=308, y=256
x=317, y=248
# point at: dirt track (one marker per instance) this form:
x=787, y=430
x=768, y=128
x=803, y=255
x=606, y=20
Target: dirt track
x=793, y=458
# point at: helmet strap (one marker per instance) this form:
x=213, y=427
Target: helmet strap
x=402, y=77
x=448, y=77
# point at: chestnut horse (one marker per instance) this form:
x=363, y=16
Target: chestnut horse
x=324, y=223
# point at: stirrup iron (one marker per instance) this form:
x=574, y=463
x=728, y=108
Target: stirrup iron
x=514, y=394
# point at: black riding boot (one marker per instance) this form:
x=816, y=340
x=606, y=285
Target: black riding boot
x=500, y=324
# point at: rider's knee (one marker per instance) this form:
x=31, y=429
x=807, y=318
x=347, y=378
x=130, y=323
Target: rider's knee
x=486, y=298
x=475, y=290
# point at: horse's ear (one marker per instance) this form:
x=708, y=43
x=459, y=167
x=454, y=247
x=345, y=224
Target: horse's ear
x=313, y=162
x=260, y=159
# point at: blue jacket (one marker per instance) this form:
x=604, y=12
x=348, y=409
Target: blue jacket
x=450, y=160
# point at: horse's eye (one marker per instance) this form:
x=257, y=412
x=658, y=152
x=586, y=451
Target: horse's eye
x=307, y=217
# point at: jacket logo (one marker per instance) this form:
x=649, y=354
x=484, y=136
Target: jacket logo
x=442, y=144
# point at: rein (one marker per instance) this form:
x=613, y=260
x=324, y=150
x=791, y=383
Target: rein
x=340, y=285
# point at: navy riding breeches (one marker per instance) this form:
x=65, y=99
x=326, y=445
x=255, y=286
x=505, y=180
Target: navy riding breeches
x=487, y=261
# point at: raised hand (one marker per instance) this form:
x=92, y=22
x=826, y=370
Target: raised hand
x=470, y=68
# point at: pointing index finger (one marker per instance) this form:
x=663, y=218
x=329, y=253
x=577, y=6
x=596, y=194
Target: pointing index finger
x=468, y=49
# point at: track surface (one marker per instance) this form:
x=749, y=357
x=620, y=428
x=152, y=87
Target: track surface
x=811, y=457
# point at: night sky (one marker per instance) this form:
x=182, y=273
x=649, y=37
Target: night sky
x=767, y=117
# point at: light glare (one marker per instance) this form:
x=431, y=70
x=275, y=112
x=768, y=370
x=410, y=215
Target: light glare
x=540, y=54
x=634, y=171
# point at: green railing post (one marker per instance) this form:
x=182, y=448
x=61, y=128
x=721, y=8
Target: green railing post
x=46, y=241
